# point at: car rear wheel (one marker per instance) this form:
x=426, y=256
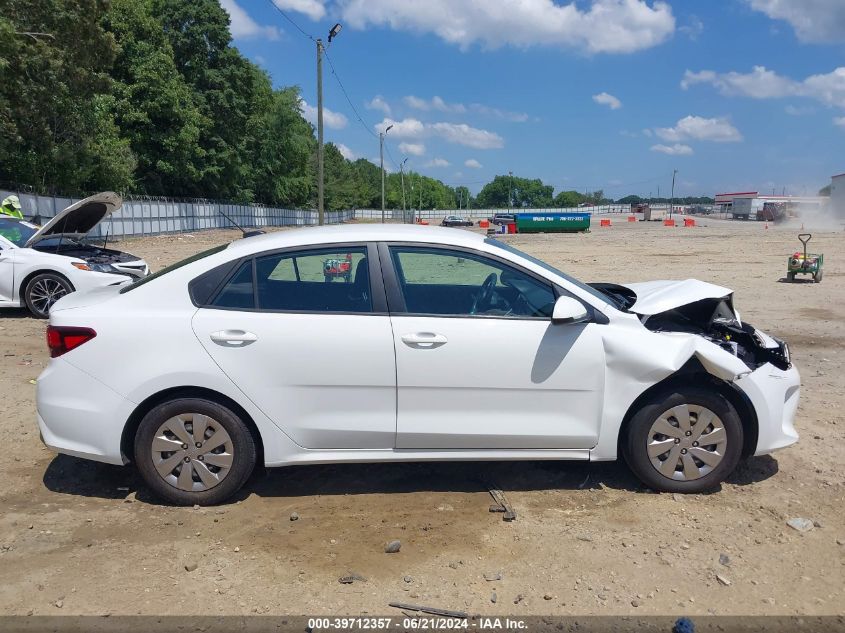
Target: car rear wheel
x=194, y=451
x=43, y=290
x=684, y=440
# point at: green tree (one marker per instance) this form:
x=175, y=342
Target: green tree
x=523, y=193
x=568, y=199
x=56, y=110
x=154, y=106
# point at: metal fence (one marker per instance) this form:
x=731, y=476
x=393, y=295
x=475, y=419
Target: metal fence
x=479, y=214
x=156, y=216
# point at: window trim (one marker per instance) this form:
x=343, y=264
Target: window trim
x=396, y=300
x=378, y=300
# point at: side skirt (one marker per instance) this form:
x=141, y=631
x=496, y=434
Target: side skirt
x=405, y=455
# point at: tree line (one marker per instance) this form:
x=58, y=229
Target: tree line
x=151, y=97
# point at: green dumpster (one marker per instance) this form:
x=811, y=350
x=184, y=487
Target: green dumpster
x=550, y=222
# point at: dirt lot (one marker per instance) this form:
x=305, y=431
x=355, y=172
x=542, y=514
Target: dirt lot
x=82, y=538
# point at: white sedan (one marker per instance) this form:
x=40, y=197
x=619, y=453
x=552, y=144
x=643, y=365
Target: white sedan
x=40, y=264
x=405, y=343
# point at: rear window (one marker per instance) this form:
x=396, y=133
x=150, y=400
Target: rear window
x=172, y=267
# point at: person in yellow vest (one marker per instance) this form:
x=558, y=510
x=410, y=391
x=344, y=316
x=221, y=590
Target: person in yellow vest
x=11, y=207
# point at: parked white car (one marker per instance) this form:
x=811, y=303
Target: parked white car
x=441, y=345
x=40, y=264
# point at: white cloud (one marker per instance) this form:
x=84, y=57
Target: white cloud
x=700, y=129
x=331, y=119
x=347, y=153
x=762, y=83
x=459, y=133
x=243, y=26
x=378, y=103
x=647, y=132
x=609, y=100
x=472, y=163
x=599, y=26
x=435, y=103
x=693, y=29
x=415, y=149
x=840, y=121
x=678, y=149
x=514, y=117
x=813, y=20
x=437, y=162
x=314, y=9
x=406, y=128
x=799, y=111
x=463, y=134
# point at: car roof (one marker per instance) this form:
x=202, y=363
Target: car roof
x=337, y=233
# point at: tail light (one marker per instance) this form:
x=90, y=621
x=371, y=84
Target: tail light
x=62, y=339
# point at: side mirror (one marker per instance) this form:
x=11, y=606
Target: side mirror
x=568, y=310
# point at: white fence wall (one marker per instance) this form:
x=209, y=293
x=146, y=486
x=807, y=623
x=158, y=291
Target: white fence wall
x=156, y=216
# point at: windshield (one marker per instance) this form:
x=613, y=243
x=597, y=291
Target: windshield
x=172, y=267
x=593, y=291
x=17, y=232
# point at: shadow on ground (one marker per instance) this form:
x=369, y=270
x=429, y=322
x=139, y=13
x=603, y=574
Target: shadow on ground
x=73, y=476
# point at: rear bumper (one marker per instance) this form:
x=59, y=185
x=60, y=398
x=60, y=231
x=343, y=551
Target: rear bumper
x=78, y=415
x=774, y=394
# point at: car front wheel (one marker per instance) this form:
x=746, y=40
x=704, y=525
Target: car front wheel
x=194, y=451
x=43, y=290
x=684, y=440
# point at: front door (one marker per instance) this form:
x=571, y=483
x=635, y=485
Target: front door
x=299, y=332
x=479, y=363
x=7, y=274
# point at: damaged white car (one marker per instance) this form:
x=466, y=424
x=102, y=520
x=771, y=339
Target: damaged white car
x=41, y=264
x=405, y=343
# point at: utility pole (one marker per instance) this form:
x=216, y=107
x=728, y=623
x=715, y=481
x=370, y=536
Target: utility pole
x=320, y=192
x=402, y=175
x=320, y=201
x=381, y=158
x=672, y=198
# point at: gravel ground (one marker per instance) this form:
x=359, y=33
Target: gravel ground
x=78, y=537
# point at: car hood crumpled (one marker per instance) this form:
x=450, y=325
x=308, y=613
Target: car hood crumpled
x=654, y=297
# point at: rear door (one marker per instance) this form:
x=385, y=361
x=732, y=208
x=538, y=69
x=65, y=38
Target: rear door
x=305, y=334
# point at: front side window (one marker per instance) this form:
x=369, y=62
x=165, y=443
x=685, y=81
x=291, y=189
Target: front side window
x=325, y=280
x=447, y=282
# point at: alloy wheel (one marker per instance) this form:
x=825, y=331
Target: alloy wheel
x=686, y=442
x=192, y=452
x=45, y=292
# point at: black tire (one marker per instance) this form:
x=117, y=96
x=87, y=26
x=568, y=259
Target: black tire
x=33, y=293
x=243, y=451
x=818, y=276
x=635, y=443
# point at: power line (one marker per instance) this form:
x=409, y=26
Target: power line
x=290, y=19
x=345, y=94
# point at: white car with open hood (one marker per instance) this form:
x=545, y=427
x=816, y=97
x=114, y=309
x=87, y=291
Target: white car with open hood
x=40, y=264
x=405, y=343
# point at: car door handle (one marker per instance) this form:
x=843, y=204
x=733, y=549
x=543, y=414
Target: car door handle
x=233, y=338
x=426, y=340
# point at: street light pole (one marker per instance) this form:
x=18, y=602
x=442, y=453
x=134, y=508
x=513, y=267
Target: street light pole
x=320, y=189
x=510, y=187
x=402, y=176
x=381, y=136
x=672, y=198
x=320, y=200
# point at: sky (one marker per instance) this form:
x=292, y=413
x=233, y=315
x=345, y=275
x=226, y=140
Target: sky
x=737, y=95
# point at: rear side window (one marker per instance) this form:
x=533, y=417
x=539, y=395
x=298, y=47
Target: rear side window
x=325, y=280
x=239, y=291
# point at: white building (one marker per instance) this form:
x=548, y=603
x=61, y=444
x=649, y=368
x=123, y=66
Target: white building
x=745, y=205
x=837, y=195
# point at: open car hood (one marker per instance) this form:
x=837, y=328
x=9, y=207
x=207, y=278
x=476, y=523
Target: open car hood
x=654, y=297
x=77, y=220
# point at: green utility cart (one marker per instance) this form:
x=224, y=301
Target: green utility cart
x=551, y=222
x=805, y=263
